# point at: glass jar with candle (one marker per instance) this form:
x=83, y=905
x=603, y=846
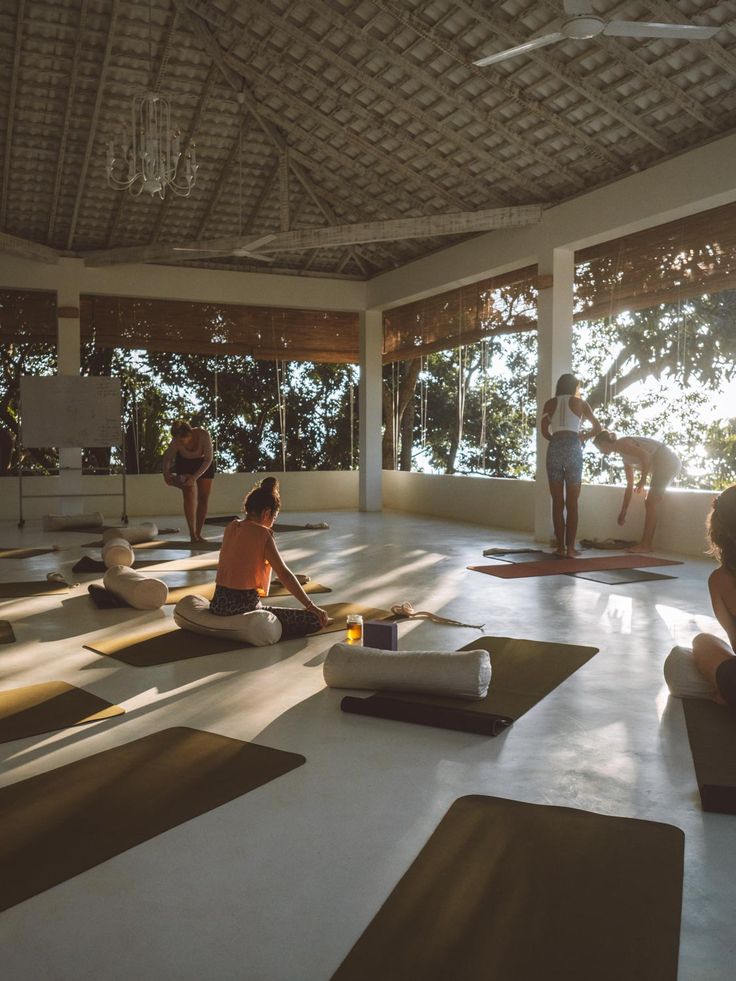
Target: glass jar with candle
x=354, y=631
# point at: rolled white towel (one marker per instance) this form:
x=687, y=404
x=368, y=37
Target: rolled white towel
x=136, y=589
x=136, y=534
x=116, y=551
x=682, y=676
x=457, y=674
x=59, y=522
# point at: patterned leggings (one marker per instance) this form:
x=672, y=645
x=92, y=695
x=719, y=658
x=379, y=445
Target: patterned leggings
x=294, y=623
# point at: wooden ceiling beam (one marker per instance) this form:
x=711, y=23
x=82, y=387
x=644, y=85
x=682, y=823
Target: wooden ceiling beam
x=670, y=13
x=27, y=250
x=11, y=112
x=336, y=236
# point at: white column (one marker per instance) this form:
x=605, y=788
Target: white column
x=555, y=306
x=69, y=363
x=371, y=371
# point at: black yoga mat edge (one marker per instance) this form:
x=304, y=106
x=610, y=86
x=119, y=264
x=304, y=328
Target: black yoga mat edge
x=439, y=716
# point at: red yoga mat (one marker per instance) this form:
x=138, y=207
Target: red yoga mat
x=559, y=567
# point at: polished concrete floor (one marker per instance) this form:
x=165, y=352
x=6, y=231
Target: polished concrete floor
x=278, y=884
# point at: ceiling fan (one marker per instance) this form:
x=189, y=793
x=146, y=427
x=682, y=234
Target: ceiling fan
x=581, y=23
x=245, y=253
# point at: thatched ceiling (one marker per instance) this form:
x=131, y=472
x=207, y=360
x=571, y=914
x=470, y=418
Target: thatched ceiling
x=309, y=113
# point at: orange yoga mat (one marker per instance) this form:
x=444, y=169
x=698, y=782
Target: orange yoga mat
x=560, y=567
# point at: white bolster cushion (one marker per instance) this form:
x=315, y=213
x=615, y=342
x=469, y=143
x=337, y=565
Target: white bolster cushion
x=458, y=674
x=136, y=589
x=116, y=551
x=58, y=522
x=682, y=676
x=135, y=534
x=258, y=628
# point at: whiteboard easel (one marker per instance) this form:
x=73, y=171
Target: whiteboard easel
x=70, y=411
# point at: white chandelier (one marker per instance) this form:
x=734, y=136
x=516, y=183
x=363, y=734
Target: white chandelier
x=147, y=158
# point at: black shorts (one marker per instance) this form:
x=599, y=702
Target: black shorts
x=726, y=681
x=183, y=465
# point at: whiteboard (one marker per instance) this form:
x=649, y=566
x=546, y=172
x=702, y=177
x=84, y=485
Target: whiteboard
x=69, y=410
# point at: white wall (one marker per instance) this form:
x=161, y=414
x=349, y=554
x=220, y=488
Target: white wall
x=509, y=504
x=149, y=495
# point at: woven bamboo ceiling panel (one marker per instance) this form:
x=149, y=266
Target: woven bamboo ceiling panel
x=313, y=113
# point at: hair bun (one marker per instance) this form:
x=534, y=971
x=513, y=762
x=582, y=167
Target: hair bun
x=269, y=484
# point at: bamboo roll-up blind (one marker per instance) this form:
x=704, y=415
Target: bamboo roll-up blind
x=186, y=327
x=27, y=315
x=461, y=316
x=664, y=264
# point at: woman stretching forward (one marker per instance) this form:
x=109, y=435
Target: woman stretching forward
x=562, y=419
x=648, y=456
x=248, y=555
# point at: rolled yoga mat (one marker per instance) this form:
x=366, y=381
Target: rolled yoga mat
x=54, y=705
x=559, y=567
x=7, y=635
x=24, y=553
x=63, y=822
x=711, y=729
x=525, y=892
x=522, y=673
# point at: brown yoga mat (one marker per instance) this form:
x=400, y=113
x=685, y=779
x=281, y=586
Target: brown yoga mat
x=279, y=526
x=516, y=891
x=558, y=567
x=7, y=635
x=711, y=729
x=24, y=553
x=99, y=543
x=161, y=642
x=63, y=822
x=88, y=564
x=35, y=709
x=522, y=673
x=34, y=587
x=182, y=546
x=620, y=577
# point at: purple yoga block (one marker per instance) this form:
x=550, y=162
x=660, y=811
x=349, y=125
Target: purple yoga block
x=382, y=635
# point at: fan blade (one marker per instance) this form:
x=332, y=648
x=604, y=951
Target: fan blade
x=636, y=28
x=536, y=42
x=242, y=254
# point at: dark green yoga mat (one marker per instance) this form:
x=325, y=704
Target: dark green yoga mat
x=522, y=673
x=63, y=822
x=88, y=564
x=711, y=729
x=34, y=587
x=508, y=891
x=53, y=705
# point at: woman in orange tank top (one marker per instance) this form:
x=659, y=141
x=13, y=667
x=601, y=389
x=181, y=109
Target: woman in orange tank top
x=247, y=558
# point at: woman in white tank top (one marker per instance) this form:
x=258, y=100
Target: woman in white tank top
x=561, y=425
x=649, y=457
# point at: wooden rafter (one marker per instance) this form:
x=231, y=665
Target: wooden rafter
x=13, y=245
x=11, y=112
x=724, y=59
x=70, y=99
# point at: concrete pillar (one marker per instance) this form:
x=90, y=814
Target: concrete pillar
x=370, y=407
x=69, y=363
x=556, y=270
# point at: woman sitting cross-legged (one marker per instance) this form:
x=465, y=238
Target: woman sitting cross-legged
x=247, y=557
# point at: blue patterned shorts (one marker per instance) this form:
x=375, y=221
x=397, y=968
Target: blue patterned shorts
x=565, y=458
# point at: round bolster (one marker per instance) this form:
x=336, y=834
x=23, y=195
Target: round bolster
x=136, y=534
x=136, y=589
x=458, y=674
x=258, y=628
x=682, y=676
x=116, y=551
x=59, y=522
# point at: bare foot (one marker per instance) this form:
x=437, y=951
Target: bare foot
x=639, y=548
x=572, y=553
x=560, y=553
